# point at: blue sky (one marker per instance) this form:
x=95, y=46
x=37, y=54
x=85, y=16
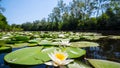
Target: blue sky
x=21, y=11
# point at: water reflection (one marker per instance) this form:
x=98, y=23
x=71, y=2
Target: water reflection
x=109, y=49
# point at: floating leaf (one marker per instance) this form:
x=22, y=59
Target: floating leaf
x=114, y=37
x=4, y=48
x=32, y=44
x=38, y=55
x=17, y=45
x=84, y=44
x=74, y=38
x=104, y=63
x=74, y=52
x=2, y=42
x=33, y=41
x=46, y=43
x=93, y=37
x=78, y=64
x=25, y=56
x=20, y=38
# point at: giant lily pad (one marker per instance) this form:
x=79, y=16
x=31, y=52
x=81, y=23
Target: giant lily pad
x=25, y=56
x=84, y=44
x=104, y=63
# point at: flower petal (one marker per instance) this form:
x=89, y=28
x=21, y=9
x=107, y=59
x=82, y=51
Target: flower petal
x=49, y=63
x=67, y=61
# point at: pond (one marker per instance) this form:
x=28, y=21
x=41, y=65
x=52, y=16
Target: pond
x=109, y=48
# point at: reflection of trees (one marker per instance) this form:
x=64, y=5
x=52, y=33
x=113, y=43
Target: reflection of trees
x=108, y=49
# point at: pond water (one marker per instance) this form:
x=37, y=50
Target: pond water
x=109, y=49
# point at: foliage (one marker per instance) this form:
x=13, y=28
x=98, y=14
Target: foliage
x=79, y=15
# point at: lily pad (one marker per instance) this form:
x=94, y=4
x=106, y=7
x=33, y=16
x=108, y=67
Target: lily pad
x=46, y=43
x=17, y=45
x=74, y=52
x=78, y=64
x=84, y=44
x=20, y=38
x=33, y=41
x=4, y=48
x=104, y=63
x=93, y=37
x=2, y=42
x=114, y=37
x=39, y=55
x=74, y=38
x=25, y=56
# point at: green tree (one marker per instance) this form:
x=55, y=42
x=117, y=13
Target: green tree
x=3, y=22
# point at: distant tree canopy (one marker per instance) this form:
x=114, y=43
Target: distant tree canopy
x=79, y=15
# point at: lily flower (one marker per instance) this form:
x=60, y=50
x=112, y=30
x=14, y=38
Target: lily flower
x=59, y=59
x=65, y=42
x=61, y=35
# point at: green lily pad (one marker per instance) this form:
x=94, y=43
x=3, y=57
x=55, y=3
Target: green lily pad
x=2, y=42
x=114, y=37
x=4, y=48
x=104, y=63
x=74, y=38
x=25, y=56
x=20, y=38
x=93, y=37
x=78, y=64
x=17, y=45
x=74, y=52
x=32, y=44
x=84, y=44
x=46, y=43
x=38, y=55
x=32, y=41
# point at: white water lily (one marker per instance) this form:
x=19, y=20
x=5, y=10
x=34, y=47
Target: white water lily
x=65, y=42
x=5, y=37
x=61, y=35
x=59, y=58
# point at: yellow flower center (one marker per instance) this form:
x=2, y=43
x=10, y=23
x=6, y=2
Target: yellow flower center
x=60, y=56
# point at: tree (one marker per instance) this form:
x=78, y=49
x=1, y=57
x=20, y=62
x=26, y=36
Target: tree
x=3, y=22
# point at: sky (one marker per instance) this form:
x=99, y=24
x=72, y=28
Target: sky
x=21, y=11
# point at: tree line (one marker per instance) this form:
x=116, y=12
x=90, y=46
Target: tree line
x=4, y=26
x=78, y=15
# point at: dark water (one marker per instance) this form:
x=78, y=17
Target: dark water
x=109, y=49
